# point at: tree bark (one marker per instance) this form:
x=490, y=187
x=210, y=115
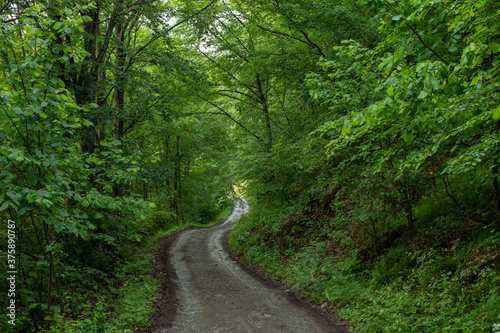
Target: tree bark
x=177, y=178
x=119, y=93
x=167, y=145
x=265, y=110
x=496, y=191
x=101, y=101
x=88, y=75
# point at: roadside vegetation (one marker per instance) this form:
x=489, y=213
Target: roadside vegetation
x=365, y=133
x=440, y=278
x=123, y=301
x=382, y=201
x=100, y=150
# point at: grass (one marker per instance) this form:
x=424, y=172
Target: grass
x=430, y=282
x=188, y=225
x=126, y=301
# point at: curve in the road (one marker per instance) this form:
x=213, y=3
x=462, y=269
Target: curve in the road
x=216, y=295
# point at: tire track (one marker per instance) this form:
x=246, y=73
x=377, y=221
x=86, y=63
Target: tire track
x=215, y=295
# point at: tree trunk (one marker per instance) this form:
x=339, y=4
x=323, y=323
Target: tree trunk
x=177, y=178
x=265, y=110
x=167, y=142
x=89, y=71
x=101, y=101
x=119, y=93
x=496, y=191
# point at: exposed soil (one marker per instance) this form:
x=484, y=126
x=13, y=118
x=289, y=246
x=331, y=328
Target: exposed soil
x=205, y=289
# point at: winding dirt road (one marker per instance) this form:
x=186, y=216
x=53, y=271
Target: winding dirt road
x=213, y=294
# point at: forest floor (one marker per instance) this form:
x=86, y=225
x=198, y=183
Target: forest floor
x=206, y=289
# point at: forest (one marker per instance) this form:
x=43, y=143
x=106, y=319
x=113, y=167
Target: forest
x=365, y=135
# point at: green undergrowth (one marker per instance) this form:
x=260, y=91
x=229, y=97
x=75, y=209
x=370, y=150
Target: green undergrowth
x=444, y=277
x=120, y=303
x=225, y=211
x=124, y=302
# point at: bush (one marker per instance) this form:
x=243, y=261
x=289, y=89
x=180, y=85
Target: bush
x=396, y=263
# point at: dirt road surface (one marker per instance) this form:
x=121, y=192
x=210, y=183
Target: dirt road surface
x=214, y=294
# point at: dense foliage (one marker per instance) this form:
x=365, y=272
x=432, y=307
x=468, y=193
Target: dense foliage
x=364, y=132
x=384, y=201
x=97, y=150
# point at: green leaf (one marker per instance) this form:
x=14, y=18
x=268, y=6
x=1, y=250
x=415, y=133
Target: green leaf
x=4, y=206
x=465, y=60
x=390, y=91
x=14, y=155
x=33, y=305
x=57, y=25
x=469, y=323
x=407, y=137
x=496, y=113
x=345, y=131
x=396, y=18
x=152, y=205
x=22, y=210
x=434, y=82
x=85, y=203
x=495, y=48
x=423, y=94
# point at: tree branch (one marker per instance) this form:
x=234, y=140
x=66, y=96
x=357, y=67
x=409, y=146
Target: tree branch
x=155, y=38
x=237, y=92
x=228, y=72
x=282, y=34
x=313, y=44
x=416, y=34
x=225, y=113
